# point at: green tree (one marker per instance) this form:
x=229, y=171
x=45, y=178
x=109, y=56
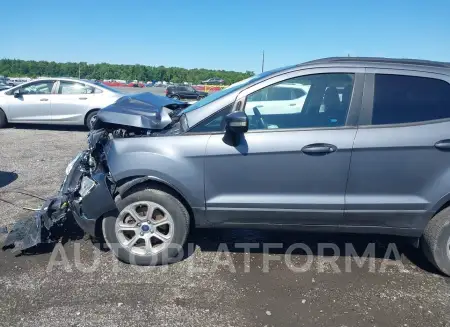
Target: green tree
x=31, y=68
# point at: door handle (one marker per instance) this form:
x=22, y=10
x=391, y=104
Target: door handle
x=443, y=145
x=319, y=148
x=82, y=98
x=44, y=99
x=292, y=104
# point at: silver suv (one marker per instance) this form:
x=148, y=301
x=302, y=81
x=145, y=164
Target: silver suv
x=368, y=152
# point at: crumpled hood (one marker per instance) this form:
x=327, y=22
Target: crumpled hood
x=141, y=110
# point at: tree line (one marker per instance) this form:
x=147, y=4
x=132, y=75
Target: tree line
x=102, y=71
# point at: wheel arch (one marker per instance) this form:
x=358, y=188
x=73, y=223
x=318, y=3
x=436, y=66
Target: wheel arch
x=442, y=206
x=4, y=112
x=129, y=184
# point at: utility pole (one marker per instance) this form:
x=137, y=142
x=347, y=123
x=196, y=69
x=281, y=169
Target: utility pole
x=262, y=65
x=79, y=72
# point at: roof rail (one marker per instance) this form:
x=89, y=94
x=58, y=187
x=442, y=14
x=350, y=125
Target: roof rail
x=401, y=61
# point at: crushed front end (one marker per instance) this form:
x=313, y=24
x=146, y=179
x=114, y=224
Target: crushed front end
x=85, y=195
x=87, y=192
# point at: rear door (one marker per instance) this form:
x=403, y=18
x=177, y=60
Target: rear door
x=70, y=103
x=289, y=168
x=33, y=105
x=401, y=157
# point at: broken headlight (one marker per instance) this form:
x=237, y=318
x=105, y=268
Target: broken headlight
x=70, y=165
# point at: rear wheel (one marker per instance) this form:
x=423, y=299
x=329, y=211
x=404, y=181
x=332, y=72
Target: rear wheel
x=436, y=241
x=90, y=119
x=176, y=97
x=150, y=229
x=3, y=120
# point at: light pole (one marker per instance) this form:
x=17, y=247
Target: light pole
x=262, y=64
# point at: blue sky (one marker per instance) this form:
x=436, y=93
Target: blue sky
x=222, y=34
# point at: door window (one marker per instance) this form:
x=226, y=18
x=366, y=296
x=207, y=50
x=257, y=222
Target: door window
x=66, y=87
x=320, y=100
x=44, y=87
x=408, y=99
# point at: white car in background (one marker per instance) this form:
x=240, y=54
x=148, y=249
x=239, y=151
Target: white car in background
x=288, y=97
x=4, y=86
x=62, y=101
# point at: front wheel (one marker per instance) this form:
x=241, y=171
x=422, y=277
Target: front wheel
x=150, y=229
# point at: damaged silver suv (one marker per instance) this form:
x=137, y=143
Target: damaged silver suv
x=366, y=150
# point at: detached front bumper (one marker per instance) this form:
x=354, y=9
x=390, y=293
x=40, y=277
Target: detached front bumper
x=95, y=200
x=86, y=196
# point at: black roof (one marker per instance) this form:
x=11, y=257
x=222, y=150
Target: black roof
x=378, y=60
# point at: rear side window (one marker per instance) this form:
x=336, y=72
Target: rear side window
x=408, y=99
x=74, y=88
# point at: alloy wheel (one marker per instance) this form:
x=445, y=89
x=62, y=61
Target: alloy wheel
x=144, y=228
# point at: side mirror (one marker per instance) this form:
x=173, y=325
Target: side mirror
x=17, y=93
x=237, y=122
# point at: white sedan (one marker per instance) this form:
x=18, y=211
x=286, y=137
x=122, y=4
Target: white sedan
x=61, y=101
x=283, y=98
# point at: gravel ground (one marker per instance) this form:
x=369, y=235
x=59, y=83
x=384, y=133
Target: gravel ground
x=79, y=283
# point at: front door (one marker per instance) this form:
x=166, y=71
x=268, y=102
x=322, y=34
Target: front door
x=33, y=105
x=289, y=168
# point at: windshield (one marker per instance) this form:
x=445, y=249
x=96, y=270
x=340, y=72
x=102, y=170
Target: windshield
x=236, y=86
x=109, y=88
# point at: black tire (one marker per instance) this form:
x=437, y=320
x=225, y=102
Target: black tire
x=435, y=241
x=176, y=97
x=3, y=120
x=180, y=217
x=89, y=117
